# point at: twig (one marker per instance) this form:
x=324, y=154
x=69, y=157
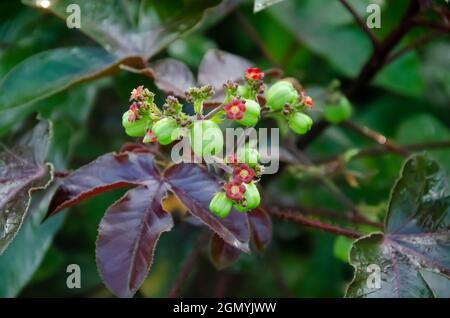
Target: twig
x=214, y=111
x=300, y=219
x=377, y=137
x=378, y=151
x=188, y=266
x=373, y=39
x=413, y=45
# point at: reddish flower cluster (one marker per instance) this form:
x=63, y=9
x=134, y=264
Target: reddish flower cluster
x=235, y=189
x=254, y=73
x=235, y=109
x=137, y=93
x=149, y=137
x=307, y=100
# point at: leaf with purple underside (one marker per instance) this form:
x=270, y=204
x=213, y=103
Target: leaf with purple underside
x=128, y=234
x=108, y=172
x=416, y=238
x=222, y=254
x=22, y=171
x=172, y=76
x=195, y=187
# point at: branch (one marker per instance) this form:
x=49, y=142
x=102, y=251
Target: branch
x=300, y=219
x=373, y=39
x=188, y=266
x=377, y=137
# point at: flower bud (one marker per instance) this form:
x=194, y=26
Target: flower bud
x=339, y=112
x=280, y=94
x=220, y=205
x=251, y=113
x=136, y=128
x=206, y=138
x=300, y=123
x=166, y=130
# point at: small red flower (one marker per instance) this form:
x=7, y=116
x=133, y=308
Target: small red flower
x=235, y=110
x=307, y=100
x=232, y=159
x=136, y=93
x=133, y=113
x=149, y=137
x=235, y=190
x=243, y=173
x=253, y=73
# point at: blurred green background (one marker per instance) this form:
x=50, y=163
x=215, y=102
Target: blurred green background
x=314, y=41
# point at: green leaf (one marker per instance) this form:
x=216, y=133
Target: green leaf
x=416, y=238
x=50, y=72
x=133, y=27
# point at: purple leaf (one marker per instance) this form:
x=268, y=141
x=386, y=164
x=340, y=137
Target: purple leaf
x=22, y=171
x=108, y=172
x=260, y=228
x=172, y=77
x=217, y=67
x=128, y=234
x=222, y=254
x=195, y=187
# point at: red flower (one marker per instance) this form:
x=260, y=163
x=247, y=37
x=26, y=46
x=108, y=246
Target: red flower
x=133, y=113
x=235, y=190
x=235, y=110
x=307, y=100
x=149, y=137
x=243, y=173
x=232, y=159
x=253, y=73
x=136, y=93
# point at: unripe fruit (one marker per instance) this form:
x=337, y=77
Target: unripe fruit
x=300, y=123
x=136, y=128
x=248, y=155
x=241, y=208
x=244, y=91
x=166, y=130
x=206, y=138
x=252, y=196
x=251, y=114
x=220, y=205
x=280, y=94
x=339, y=112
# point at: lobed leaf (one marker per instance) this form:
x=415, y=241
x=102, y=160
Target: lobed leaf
x=416, y=238
x=22, y=171
x=222, y=254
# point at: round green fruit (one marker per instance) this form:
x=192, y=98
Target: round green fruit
x=280, y=94
x=244, y=91
x=166, y=130
x=248, y=155
x=300, y=123
x=339, y=112
x=206, y=138
x=136, y=128
x=252, y=196
x=220, y=205
x=251, y=114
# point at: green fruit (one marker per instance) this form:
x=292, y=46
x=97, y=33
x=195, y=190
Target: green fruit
x=244, y=91
x=280, y=94
x=252, y=196
x=241, y=208
x=136, y=128
x=251, y=114
x=339, y=112
x=166, y=130
x=206, y=138
x=220, y=205
x=248, y=155
x=300, y=123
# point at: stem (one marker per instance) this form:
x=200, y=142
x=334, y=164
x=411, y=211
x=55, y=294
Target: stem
x=214, y=111
x=300, y=219
x=188, y=266
x=377, y=137
x=375, y=42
